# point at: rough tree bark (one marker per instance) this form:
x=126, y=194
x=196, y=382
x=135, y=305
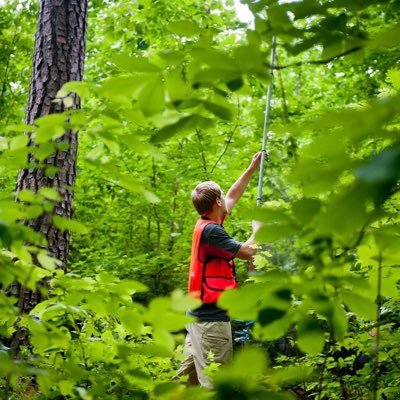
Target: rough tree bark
x=58, y=58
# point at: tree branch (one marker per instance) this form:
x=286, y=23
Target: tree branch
x=203, y=157
x=326, y=355
x=229, y=141
x=378, y=329
x=325, y=61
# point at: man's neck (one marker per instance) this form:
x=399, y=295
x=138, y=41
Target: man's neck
x=214, y=216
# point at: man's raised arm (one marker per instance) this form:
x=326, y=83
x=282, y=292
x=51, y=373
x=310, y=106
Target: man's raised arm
x=238, y=188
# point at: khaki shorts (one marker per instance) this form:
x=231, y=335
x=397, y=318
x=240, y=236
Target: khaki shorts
x=203, y=339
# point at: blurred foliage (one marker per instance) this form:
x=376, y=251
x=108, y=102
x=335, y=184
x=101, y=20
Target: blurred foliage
x=174, y=94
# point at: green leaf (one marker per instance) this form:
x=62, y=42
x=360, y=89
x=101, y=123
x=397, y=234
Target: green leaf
x=304, y=210
x=163, y=338
x=243, y=303
x=247, y=370
x=362, y=306
x=48, y=262
x=51, y=171
x=95, y=153
x=214, y=76
x=5, y=234
x=130, y=287
x=275, y=329
x=310, y=337
x=113, y=146
x=251, y=59
x=220, y=108
x=388, y=37
x=130, y=183
x=387, y=240
x=106, y=277
x=181, y=302
x=10, y=211
x=292, y=375
x=21, y=252
x=167, y=388
x=172, y=57
x=151, y=197
x=235, y=84
x=130, y=63
x=18, y=142
x=121, y=89
x=183, y=125
x=29, y=275
x=274, y=231
x=254, y=359
x=382, y=168
x=216, y=59
x=81, y=88
x=69, y=224
x=350, y=208
x=279, y=17
x=152, y=349
x=67, y=388
x=338, y=321
x=44, y=150
x=393, y=76
x=50, y=193
x=20, y=128
x=151, y=98
x=132, y=321
x=308, y=8
x=33, y=211
x=176, y=86
x=28, y=196
x=269, y=213
x=161, y=315
x=3, y=143
x=268, y=315
x=49, y=127
x=184, y=28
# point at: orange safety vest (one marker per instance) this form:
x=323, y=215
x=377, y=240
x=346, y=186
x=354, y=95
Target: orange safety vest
x=209, y=276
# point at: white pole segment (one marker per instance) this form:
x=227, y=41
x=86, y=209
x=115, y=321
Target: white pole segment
x=266, y=122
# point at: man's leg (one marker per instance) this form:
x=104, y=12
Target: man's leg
x=187, y=367
x=206, y=337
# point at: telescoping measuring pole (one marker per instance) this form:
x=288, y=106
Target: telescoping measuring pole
x=266, y=122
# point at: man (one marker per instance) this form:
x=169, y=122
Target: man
x=212, y=271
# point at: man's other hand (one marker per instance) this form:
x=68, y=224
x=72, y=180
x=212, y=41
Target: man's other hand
x=256, y=225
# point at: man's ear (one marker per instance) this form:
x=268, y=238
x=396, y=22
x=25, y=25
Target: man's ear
x=219, y=202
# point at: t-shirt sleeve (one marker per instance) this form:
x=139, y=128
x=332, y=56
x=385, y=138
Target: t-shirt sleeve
x=217, y=242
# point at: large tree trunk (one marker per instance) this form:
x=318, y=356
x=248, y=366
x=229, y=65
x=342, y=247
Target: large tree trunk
x=58, y=58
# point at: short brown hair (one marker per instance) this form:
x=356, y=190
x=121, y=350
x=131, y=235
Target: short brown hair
x=204, y=196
